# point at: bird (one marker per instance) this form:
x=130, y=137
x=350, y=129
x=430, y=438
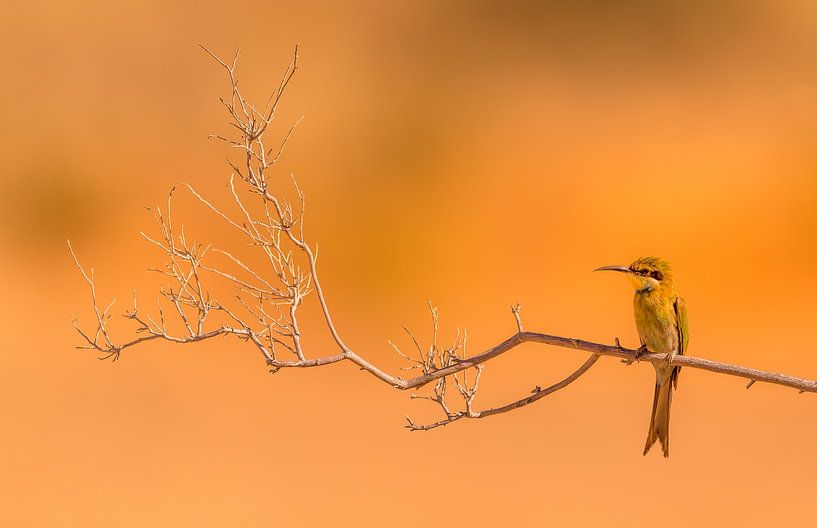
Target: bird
x=663, y=328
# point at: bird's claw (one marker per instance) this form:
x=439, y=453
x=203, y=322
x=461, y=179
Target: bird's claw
x=636, y=355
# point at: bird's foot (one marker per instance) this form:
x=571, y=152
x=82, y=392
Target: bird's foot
x=670, y=357
x=639, y=351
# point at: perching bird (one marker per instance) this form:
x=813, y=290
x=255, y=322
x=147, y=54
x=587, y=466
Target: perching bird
x=661, y=320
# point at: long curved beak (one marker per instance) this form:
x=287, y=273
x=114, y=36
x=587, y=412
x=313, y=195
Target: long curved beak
x=622, y=269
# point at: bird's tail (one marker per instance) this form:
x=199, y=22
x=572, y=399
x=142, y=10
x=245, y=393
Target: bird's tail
x=659, y=421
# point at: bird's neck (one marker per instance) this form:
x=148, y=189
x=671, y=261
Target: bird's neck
x=650, y=293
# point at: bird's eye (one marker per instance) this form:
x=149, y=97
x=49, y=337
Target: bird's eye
x=656, y=275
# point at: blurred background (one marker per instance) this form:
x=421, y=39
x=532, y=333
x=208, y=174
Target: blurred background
x=475, y=153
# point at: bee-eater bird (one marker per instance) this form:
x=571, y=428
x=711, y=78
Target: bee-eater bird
x=661, y=320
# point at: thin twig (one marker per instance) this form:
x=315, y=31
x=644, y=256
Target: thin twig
x=536, y=394
x=515, y=310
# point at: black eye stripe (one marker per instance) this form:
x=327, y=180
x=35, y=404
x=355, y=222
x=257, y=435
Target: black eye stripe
x=655, y=274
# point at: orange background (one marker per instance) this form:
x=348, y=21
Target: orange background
x=474, y=153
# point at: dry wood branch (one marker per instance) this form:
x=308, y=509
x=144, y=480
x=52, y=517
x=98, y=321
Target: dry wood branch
x=264, y=309
x=536, y=394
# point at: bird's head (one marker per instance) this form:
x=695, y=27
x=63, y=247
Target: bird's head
x=646, y=273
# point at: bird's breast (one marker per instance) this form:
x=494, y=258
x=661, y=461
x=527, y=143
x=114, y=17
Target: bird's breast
x=655, y=322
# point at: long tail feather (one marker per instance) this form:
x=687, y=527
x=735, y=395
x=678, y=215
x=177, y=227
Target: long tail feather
x=659, y=419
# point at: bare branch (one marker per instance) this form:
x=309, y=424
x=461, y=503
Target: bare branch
x=536, y=394
x=101, y=318
x=264, y=308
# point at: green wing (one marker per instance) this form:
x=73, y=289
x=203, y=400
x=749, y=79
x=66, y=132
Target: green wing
x=683, y=334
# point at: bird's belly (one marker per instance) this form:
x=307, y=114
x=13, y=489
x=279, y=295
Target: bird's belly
x=659, y=339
